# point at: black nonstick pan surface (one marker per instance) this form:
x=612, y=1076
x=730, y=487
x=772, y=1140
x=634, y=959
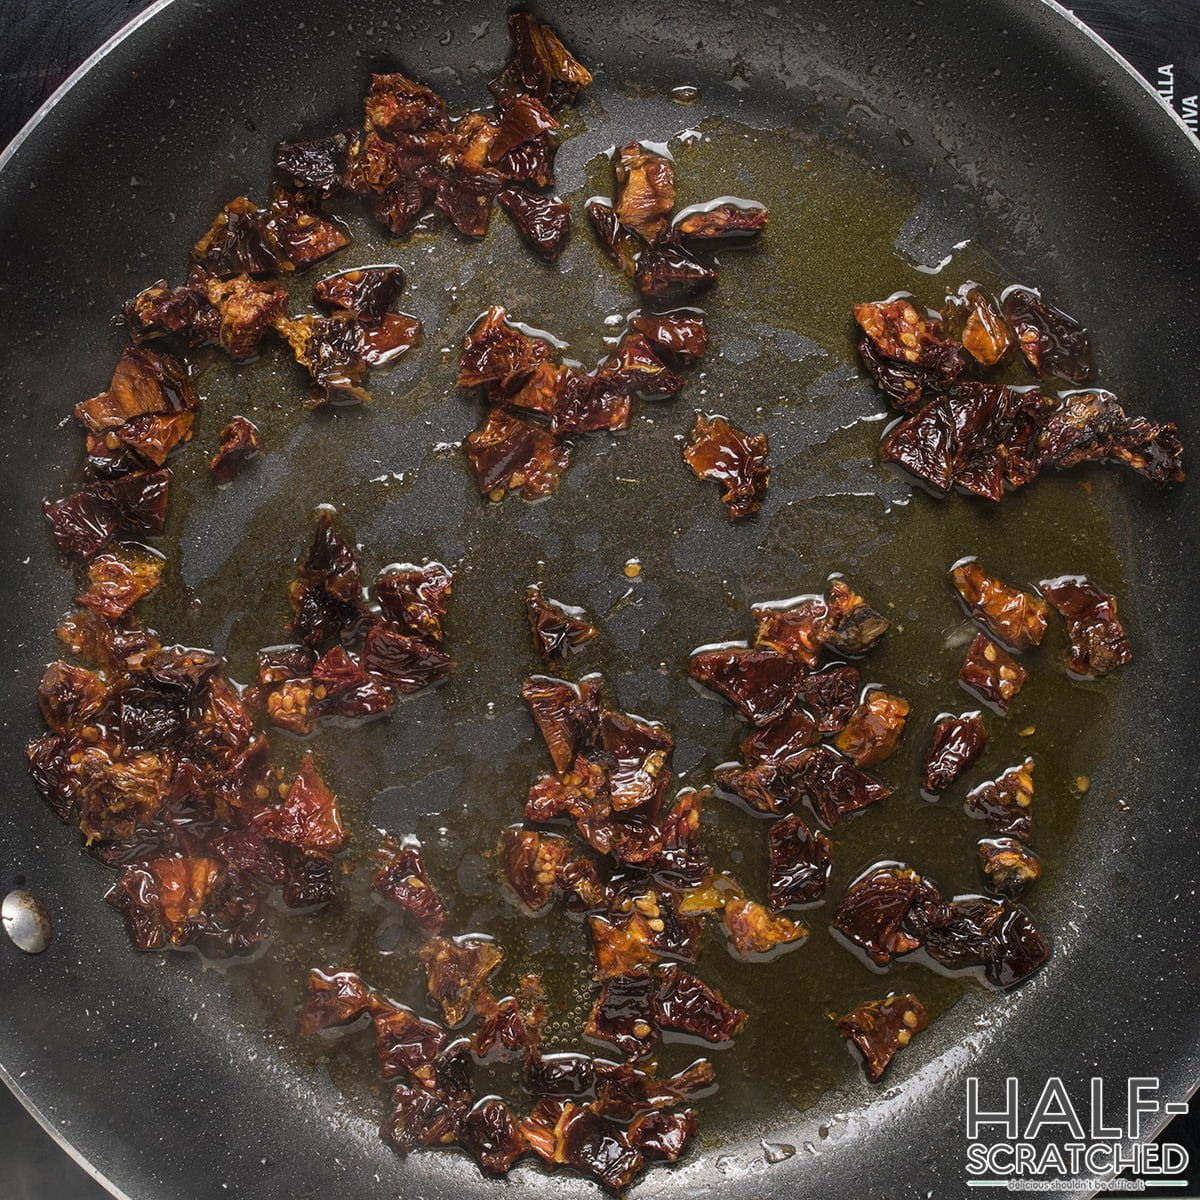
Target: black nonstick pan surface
x=884, y=139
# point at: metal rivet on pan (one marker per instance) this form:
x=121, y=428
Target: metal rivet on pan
x=26, y=921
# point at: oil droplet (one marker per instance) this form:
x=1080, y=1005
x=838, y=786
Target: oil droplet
x=632, y=569
x=777, y=1152
x=685, y=94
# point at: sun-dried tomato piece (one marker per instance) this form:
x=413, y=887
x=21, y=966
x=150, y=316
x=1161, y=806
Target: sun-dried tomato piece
x=792, y=627
x=403, y=662
x=574, y=401
x=834, y=785
x=557, y=629
x=779, y=744
x=899, y=331
x=683, y=1003
x=415, y=597
x=719, y=221
x=957, y=742
x=331, y=350
x=144, y=382
x=580, y=792
x=852, y=626
x=119, y=579
x=308, y=817
x=907, y=385
x=669, y=273
x=245, y=309
x=456, y=970
x=1017, y=950
x=991, y=673
x=985, y=336
x=761, y=684
x=541, y=66
x=1092, y=426
x=397, y=104
x=1052, y=342
x=543, y=221
x=1008, y=866
x=662, y=1135
x=671, y=932
x=1007, y=801
x=765, y=787
x=622, y=946
x=365, y=292
x=736, y=460
x=240, y=241
x=532, y=861
x=404, y=1042
x=600, y=1148
x=645, y=189
x=831, y=696
x=492, y=1136
x=623, y=1090
x=566, y=714
x=342, y=688
x=636, y=368
x=418, y=1118
x=963, y=935
x=872, y=913
x=874, y=729
x=319, y=163
x=682, y=335
x=160, y=309
x=879, y=1028
x=69, y=695
x=567, y=1074
x=466, y=202
x=509, y=453
x=579, y=882
x=335, y=998
x=399, y=206
x=117, y=793
x=967, y=437
x=755, y=932
x=623, y=1015
x=544, y=1126
x=1016, y=618
x=402, y=879
x=394, y=336
x=620, y=244
x=49, y=763
x=639, y=751
x=303, y=235
x=511, y=1026
x=279, y=663
x=238, y=443
x=1099, y=643
x=800, y=863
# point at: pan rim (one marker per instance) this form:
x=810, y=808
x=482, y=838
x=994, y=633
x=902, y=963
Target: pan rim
x=30, y=128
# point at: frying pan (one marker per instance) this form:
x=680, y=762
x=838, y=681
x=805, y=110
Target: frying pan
x=1007, y=125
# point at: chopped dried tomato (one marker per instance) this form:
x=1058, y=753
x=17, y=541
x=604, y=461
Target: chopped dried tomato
x=568, y=1074
x=831, y=696
x=662, y=1135
x=334, y=998
x=491, y=1134
x=238, y=443
x=397, y=104
x=872, y=913
x=984, y=336
x=1017, y=618
x=364, y=292
x=682, y=335
x=991, y=673
x=754, y=932
x=509, y=453
x=779, y=744
x=240, y=241
x=119, y=579
x=736, y=460
x=684, y=1003
x=623, y=1090
x=1099, y=643
x=402, y=879
x=418, y=1118
x=319, y=163
x=308, y=817
x=645, y=189
x=852, y=626
x=543, y=221
x=1007, y=801
x=834, y=785
x=404, y=1042
x=800, y=863
x=532, y=861
x=1008, y=866
x=1054, y=343
x=567, y=714
x=957, y=743
x=669, y=273
x=415, y=597
x=793, y=627
x=541, y=66
x=623, y=1015
x=600, y=1148
x=761, y=684
x=879, y=1028
x=403, y=662
x=558, y=629
x=874, y=729
x=619, y=243
x=714, y=222
x=456, y=970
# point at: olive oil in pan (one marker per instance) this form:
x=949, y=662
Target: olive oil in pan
x=453, y=764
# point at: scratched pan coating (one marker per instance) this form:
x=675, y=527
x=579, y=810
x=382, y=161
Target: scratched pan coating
x=880, y=150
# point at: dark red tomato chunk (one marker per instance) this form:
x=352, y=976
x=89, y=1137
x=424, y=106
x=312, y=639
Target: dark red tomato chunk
x=879, y=1028
x=558, y=629
x=1099, y=643
x=761, y=684
x=1007, y=802
x=800, y=863
x=736, y=460
x=957, y=743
